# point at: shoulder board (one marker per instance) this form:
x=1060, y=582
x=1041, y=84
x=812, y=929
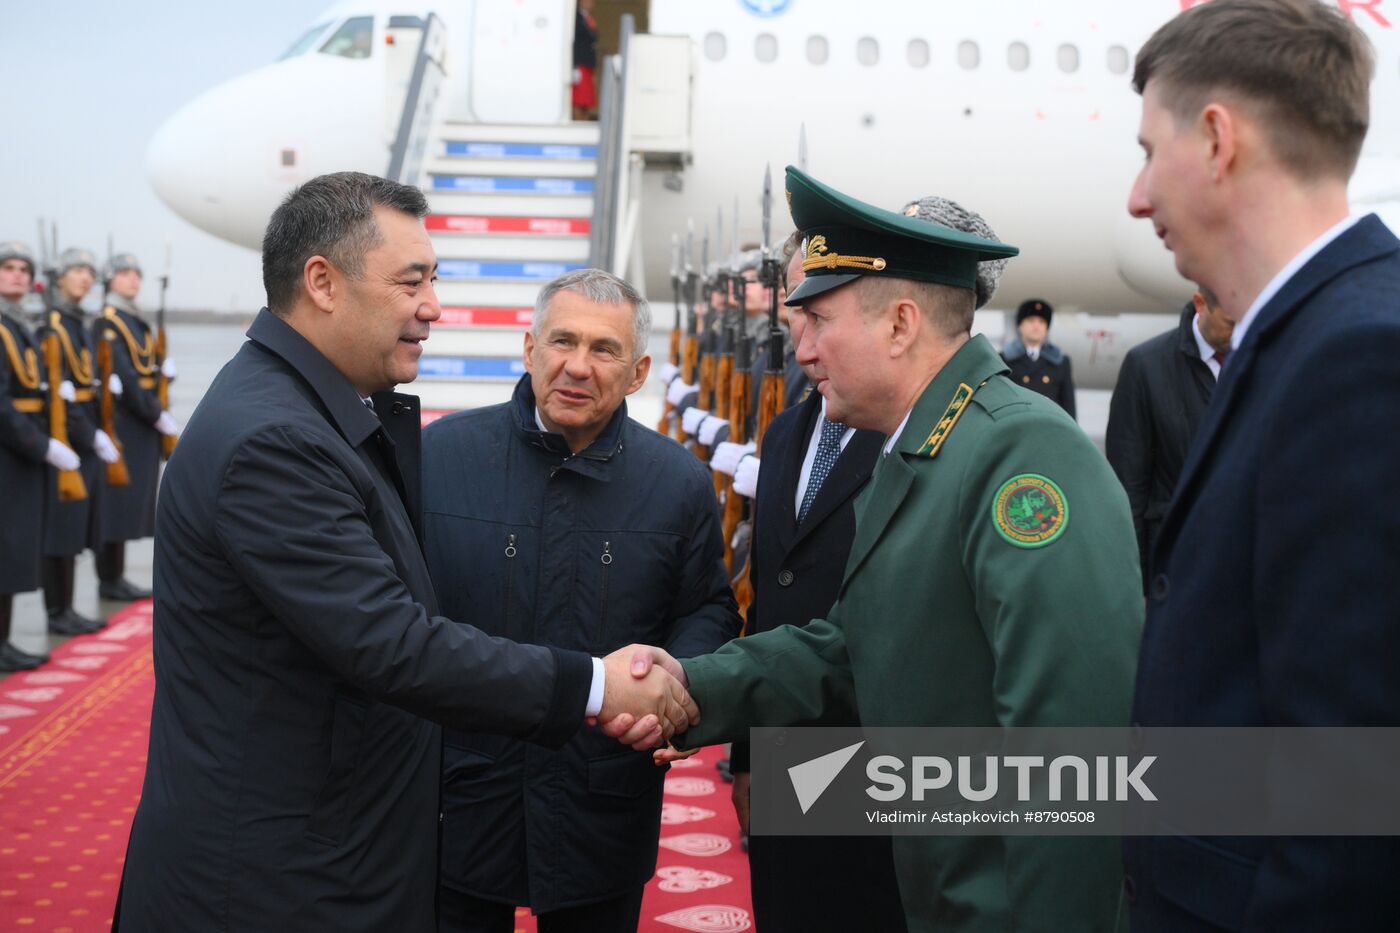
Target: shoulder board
x=934, y=442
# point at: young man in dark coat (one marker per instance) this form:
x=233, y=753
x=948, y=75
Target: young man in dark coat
x=1272, y=598
x=293, y=775
x=1163, y=388
x=583, y=530
x=1036, y=363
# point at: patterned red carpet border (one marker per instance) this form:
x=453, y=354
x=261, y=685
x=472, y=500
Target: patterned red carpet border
x=73, y=740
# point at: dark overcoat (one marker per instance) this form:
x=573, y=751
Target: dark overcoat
x=69, y=526
x=1050, y=374
x=292, y=781
x=24, y=442
x=1272, y=596
x=1162, y=392
x=128, y=512
x=617, y=544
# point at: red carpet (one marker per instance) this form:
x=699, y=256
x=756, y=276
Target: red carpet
x=73, y=753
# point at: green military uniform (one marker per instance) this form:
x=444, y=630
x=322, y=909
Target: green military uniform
x=993, y=581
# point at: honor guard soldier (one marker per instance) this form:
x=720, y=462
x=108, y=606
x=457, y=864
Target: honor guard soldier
x=70, y=498
x=1035, y=362
x=992, y=580
x=25, y=448
x=128, y=371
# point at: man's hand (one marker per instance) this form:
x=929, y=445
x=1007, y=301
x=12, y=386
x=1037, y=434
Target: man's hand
x=678, y=391
x=709, y=427
x=61, y=457
x=114, y=384
x=67, y=392
x=167, y=425
x=106, y=450
x=726, y=456
x=739, y=794
x=746, y=477
x=667, y=371
x=167, y=369
x=643, y=703
x=692, y=418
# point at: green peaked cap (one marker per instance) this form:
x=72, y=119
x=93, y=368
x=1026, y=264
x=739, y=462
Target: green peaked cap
x=847, y=238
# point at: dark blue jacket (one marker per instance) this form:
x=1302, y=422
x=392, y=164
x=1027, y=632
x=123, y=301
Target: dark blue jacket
x=616, y=545
x=1272, y=596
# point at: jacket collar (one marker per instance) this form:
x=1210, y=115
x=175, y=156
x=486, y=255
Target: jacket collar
x=1014, y=349
x=973, y=364
x=604, y=447
x=1185, y=336
x=354, y=421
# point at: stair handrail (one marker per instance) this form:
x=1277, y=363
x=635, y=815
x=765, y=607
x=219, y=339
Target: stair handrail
x=406, y=159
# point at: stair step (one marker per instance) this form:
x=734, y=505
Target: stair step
x=508, y=168
x=523, y=249
x=562, y=134
x=516, y=185
x=509, y=205
x=482, y=149
x=464, y=316
x=479, y=224
x=487, y=294
x=461, y=342
x=537, y=272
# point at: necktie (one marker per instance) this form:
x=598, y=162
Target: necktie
x=828, y=449
x=1220, y=356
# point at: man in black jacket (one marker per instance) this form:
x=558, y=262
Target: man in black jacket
x=1163, y=388
x=583, y=530
x=1035, y=362
x=291, y=783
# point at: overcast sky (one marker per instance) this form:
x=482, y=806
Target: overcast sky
x=86, y=84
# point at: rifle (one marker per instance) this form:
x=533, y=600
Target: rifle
x=675, y=356
x=708, y=348
x=690, y=356
x=740, y=397
x=71, y=487
x=167, y=444
x=770, y=394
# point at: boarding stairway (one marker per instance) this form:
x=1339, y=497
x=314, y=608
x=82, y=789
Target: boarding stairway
x=509, y=209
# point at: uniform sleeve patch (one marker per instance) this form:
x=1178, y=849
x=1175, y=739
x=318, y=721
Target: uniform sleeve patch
x=1030, y=511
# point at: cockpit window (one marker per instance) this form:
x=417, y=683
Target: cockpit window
x=352, y=40
x=307, y=40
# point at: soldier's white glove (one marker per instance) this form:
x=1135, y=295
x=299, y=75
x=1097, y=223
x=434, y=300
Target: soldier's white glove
x=692, y=418
x=106, y=450
x=167, y=425
x=65, y=391
x=678, y=391
x=746, y=477
x=667, y=371
x=61, y=457
x=709, y=428
x=167, y=368
x=114, y=384
x=725, y=457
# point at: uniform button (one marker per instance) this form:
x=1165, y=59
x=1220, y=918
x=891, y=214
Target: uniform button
x=1026, y=380
x=1045, y=380
x=1130, y=888
x=1159, y=586
x=785, y=578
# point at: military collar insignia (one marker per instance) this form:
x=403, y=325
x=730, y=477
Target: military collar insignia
x=1030, y=511
x=929, y=448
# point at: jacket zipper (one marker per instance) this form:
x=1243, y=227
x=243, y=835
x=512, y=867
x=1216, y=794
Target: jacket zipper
x=606, y=561
x=510, y=575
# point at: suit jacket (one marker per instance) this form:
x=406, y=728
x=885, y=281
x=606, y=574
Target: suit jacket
x=796, y=574
x=1162, y=392
x=292, y=781
x=944, y=620
x=1271, y=601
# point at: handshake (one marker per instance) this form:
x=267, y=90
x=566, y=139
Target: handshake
x=645, y=700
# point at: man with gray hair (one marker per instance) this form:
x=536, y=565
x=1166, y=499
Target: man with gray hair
x=293, y=774
x=582, y=530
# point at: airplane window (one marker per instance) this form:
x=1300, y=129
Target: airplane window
x=715, y=46
x=868, y=51
x=304, y=44
x=918, y=53
x=1117, y=59
x=765, y=47
x=969, y=56
x=352, y=40
x=817, y=50
x=1067, y=57
x=1018, y=56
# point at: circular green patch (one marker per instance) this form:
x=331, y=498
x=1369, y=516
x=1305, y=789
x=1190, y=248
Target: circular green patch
x=1030, y=510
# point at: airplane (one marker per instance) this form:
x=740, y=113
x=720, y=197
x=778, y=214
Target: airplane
x=1022, y=110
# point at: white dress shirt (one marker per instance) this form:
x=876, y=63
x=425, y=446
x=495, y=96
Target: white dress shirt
x=1206, y=350
x=1287, y=272
x=811, y=457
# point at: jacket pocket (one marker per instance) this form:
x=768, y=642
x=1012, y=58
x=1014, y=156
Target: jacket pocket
x=1203, y=879
x=331, y=811
x=630, y=774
